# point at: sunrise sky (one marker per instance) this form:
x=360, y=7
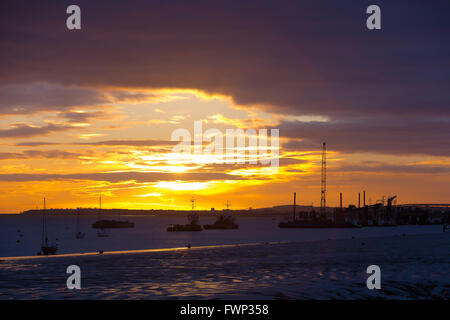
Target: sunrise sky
x=91, y=111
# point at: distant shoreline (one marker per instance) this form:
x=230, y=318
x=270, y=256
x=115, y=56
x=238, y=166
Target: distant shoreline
x=271, y=211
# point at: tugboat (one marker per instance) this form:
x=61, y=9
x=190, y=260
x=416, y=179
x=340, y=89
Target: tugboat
x=223, y=222
x=110, y=224
x=192, y=226
x=193, y=222
x=46, y=248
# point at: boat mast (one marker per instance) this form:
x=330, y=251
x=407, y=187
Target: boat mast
x=78, y=220
x=44, y=225
x=323, y=191
x=193, y=217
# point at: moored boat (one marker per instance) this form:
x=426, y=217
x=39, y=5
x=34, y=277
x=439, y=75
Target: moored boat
x=46, y=248
x=223, y=222
x=112, y=224
x=191, y=226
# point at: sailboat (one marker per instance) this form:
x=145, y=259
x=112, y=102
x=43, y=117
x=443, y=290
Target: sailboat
x=46, y=248
x=79, y=234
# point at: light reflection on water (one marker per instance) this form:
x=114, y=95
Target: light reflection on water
x=412, y=266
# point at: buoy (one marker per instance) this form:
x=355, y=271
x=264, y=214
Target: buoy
x=363, y=243
x=100, y=251
x=39, y=253
x=189, y=246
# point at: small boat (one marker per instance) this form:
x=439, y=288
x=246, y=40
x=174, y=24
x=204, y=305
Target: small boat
x=49, y=249
x=46, y=248
x=112, y=224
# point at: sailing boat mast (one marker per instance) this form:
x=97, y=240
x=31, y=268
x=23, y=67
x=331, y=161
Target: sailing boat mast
x=44, y=225
x=78, y=220
x=99, y=206
x=45, y=247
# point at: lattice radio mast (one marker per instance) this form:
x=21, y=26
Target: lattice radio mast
x=323, y=187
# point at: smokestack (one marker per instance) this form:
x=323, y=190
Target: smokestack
x=359, y=199
x=294, y=207
x=364, y=198
x=341, y=199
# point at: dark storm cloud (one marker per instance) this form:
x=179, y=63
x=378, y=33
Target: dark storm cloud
x=35, y=154
x=41, y=96
x=291, y=57
x=25, y=131
x=389, y=136
x=134, y=143
x=383, y=168
x=228, y=167
x=120, y=176
x=36, y=144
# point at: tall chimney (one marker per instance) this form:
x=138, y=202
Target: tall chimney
x=359, y=199
x=364, y=198
x=341, y=199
